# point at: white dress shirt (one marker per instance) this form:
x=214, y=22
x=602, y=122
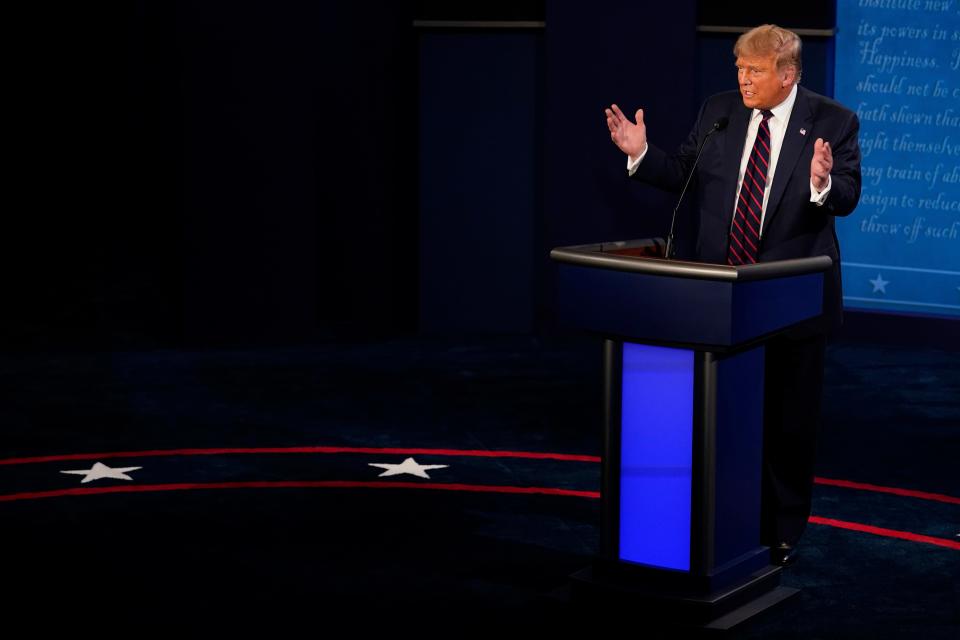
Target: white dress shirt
x=778, y=128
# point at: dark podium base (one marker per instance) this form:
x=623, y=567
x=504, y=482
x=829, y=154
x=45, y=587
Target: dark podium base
x=720, y=609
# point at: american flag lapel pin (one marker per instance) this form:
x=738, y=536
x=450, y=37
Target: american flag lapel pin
x=803, y=132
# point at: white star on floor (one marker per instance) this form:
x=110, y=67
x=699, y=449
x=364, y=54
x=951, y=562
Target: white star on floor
x=100, y=470
x=879, y=284
x=410, y=466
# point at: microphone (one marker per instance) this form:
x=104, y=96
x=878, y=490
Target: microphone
x=719, y=125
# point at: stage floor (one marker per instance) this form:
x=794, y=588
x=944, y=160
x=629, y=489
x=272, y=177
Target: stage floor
x=412, y=480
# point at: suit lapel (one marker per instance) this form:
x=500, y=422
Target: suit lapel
x=734, y=141
x=801, y=119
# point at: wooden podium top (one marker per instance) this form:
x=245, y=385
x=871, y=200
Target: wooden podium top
x=646, y=256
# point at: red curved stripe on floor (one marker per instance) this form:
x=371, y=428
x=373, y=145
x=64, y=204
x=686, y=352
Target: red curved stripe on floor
x=888, y=533
x=847, y=484
x=345, y=484
x=292, y=484
x=477, y=453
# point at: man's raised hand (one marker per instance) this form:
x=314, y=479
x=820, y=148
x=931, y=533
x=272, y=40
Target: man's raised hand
x=821, y=164
x=629, y=137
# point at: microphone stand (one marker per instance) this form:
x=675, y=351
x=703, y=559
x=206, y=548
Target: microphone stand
x=719, y=125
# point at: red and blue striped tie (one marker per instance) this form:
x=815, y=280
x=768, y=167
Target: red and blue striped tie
x=745, y=232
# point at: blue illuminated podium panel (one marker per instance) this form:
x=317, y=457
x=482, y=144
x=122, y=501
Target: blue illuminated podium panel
x=656, y=461
x=683, y=433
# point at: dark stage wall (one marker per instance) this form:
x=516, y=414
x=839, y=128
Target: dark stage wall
x=479, y=172
x=205, y=173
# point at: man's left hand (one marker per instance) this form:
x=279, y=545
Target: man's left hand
x=821, y=164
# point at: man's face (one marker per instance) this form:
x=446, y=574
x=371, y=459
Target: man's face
x=762, y=85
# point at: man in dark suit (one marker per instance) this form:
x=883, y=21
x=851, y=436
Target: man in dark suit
x=769, y=183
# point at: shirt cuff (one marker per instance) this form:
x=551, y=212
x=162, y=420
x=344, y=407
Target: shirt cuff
x=819, y=197
x=632, y=164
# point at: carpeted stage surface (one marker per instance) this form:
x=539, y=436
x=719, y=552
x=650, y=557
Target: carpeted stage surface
x=253, y=502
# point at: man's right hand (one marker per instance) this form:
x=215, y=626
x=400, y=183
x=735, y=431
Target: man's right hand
x=630, y=138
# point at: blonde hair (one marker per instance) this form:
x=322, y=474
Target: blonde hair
x=770, y=39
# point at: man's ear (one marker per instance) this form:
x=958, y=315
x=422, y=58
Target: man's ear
x=788, y=76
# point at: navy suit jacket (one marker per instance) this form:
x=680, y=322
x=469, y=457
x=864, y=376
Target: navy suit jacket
x=793, y=227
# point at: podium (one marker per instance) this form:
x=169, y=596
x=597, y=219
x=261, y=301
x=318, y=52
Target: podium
x=683, y=371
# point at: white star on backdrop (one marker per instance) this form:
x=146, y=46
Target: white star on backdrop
x=879, y=284
x=100, y=470
x=410, y=466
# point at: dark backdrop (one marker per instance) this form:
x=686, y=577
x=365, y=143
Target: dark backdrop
x=199, y=173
